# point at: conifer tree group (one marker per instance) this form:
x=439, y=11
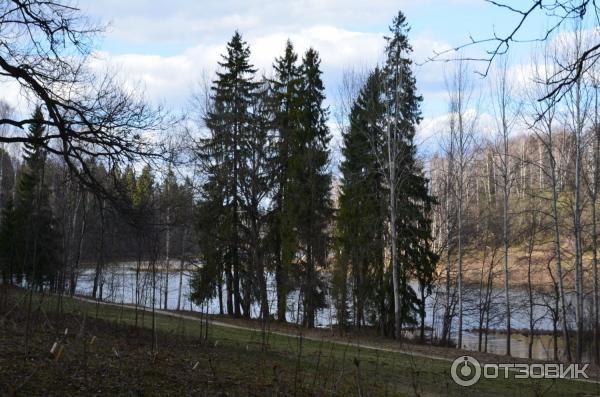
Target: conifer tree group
x=267, y=216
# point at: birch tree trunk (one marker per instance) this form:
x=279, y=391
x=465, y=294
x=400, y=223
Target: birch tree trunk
x=181, y=265
x=594, y=198
x=559, y=275
x=502, y=92
x=449, y=238
x=543, y=114
x=167, y=259
x=393, y=235
x=577, y=105
x=461, y=132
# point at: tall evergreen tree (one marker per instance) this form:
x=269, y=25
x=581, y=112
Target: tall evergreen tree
x=286, y=111
x=384, y=192
x=36, y=238
x=308, y=193
x=409, y=200
x=230, y=121
x=256, y=185
x=361, y=214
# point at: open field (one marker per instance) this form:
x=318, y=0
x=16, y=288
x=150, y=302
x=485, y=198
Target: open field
x=103, y=353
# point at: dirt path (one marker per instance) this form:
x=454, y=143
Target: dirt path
x=449, y=357
x=286, y=334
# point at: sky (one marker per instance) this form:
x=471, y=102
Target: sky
x=168, y=46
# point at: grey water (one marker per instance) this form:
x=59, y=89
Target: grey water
x=119, y=286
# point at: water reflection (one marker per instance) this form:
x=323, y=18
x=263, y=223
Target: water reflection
x=118, y=285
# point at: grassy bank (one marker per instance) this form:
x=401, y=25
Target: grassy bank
x=103, y=353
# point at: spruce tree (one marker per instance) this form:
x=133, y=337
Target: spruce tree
x=307, y=198
x=230, y=122
x=410, y=202
x=384, y=192
x=256, y=185
x=36, y=240
x=286, y=111
x=361, y=214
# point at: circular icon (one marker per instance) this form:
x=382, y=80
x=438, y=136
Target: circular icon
x=465, y=371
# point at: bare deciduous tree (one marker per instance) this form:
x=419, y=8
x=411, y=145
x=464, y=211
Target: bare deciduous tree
x=506, y=115
x=542, y=124
x=45, y=49
x=462, y=131
x=559, y=14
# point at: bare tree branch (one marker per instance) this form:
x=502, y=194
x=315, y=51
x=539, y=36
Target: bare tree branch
x=45, y=48
x=559, y=12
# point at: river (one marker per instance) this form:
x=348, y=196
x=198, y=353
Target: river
x=119, y=286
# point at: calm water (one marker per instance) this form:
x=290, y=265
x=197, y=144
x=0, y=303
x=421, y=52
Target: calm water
x=119, y=287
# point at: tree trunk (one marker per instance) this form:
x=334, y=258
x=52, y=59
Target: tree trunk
x=167, y=263
x=594, y=199
x=505, y=192
x=75, y=265
x=596, y=351
x=100, y=263
x=393, y=237
x=181, y=266
x=229, y=286
x=449, y=211
x=460, y=263
x=530, y=285
x=422, y=315
x=559, y=275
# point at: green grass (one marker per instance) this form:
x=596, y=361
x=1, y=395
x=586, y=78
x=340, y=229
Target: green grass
x=240, y=362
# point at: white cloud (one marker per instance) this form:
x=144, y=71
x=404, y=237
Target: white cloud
x=433, y=131
x=12, y=93
x=142, y=21
x=170, y=78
